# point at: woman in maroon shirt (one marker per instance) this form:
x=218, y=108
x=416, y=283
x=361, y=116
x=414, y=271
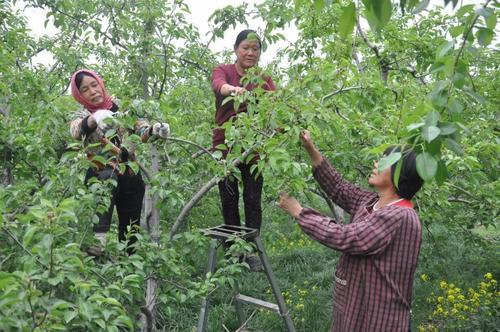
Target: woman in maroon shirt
x=226, y=80
x=380, y=245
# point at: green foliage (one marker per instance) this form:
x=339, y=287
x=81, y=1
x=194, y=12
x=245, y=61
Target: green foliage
x=428, y=81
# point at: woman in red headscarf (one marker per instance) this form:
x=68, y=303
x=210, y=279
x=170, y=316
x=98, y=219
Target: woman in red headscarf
x=90, y=124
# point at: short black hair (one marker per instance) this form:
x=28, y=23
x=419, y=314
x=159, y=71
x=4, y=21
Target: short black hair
x=409, y=182
x=244, y=35
x=79, y=77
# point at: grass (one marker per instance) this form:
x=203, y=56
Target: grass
x=488, y=233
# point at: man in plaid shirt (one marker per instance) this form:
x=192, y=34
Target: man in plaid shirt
x=380, y=246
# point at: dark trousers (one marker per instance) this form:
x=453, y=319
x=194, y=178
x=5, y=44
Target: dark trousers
x=252, y=192
x=127, y=196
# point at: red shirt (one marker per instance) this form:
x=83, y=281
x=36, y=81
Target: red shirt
x=227, y=74
x=374, y=276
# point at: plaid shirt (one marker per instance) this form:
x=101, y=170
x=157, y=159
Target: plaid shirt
x=374, y=276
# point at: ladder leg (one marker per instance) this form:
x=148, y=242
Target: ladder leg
x=274, y=285
x=239, y=306
x=212, y=258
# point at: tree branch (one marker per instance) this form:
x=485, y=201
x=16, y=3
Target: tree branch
x=180, y=140
x=342, y=89
x=384, y=66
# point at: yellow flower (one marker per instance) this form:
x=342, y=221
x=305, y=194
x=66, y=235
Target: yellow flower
x=488, y=276
x=424, y=277
x=443, y=284
x=451, y=298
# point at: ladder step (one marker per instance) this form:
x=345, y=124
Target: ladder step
x=261, y=303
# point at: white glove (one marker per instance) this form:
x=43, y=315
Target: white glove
x=161, y=129
x=100, y=116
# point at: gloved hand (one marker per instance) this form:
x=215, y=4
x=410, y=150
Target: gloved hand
x=161, y=130
x=100, y=116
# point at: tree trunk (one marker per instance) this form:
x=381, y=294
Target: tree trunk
x=153, y=214
x=7, y=177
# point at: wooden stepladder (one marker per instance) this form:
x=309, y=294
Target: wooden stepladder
x=219, y=235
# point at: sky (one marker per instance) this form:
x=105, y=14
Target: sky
x=200, y=12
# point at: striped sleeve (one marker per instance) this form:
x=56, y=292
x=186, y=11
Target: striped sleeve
x=369, y=236
x=345, y=194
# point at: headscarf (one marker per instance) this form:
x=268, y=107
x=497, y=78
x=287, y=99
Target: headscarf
x=107, y=102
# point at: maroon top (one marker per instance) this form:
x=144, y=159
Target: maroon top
x=227, y=74
x=374, y=276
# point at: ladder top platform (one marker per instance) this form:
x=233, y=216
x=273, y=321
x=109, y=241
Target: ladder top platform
x=229, y=231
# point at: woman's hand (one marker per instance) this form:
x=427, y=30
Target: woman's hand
x=231, y=90
x=290, y=205
x=101, y=117
x=237, y=90
x=91, y=122
x=305, y=138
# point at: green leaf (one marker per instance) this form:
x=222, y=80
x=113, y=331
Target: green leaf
x=426, y=166
x=421, y=6
x=100, y=159
x=28, y=236
x=347, y=20
x=111, y=301
x=458, y=80
x=442, y=173
x=437, y=67
x=484, y=36
x=491, y=22
x=414, y=126
x=69, y=315
x=101, y=323
x=464, y=10
x=439, y=96
x=397, y=173
x=485, y=12
x=372, y=19
x=455, y=106
x=388, y=160
x=134, y=166
x=382, y=10
x=124, y=321
x=444, y=48
x=453, y=146
x=319, y=4
x=432, y=118
x=227, y=100
x=447, y=128
x=429, y=133
x=456, y=31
